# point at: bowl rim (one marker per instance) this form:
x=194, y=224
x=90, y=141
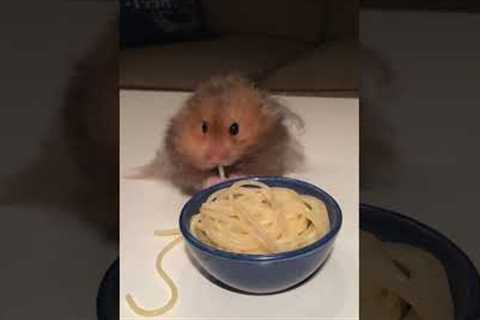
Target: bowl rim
x=329, y=201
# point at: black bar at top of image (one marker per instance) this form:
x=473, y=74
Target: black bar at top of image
x=431, y=5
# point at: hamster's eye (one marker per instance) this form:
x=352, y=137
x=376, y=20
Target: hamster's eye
x=204, y=126
x=234, y=129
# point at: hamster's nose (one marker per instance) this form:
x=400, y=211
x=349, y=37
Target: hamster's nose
x=218, y=157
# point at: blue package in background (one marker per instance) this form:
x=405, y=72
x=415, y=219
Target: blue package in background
x=150, y=22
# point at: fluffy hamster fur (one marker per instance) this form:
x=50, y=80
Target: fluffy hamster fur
x=200, y=136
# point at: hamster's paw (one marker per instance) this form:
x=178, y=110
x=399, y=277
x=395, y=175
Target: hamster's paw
x=211, y=181
x=215, y=179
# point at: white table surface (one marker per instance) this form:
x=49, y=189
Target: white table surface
x=331, y=148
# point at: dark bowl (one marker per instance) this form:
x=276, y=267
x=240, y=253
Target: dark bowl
x=261, y=274
x=463, y=277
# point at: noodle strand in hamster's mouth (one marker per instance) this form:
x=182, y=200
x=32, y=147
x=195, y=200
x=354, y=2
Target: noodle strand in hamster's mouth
x=221, y=172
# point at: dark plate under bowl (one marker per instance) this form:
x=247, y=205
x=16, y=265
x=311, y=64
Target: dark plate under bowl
x=261, y=274
x=108, y=294
x=462, y=275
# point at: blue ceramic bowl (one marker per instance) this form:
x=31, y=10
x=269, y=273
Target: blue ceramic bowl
x=463, y=277
x=261, y=274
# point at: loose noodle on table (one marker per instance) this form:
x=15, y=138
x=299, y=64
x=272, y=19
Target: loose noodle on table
x=248, y=217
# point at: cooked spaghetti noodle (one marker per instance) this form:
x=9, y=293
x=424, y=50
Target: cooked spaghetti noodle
x=173, y=288
x=221, y=172
x=252, y=218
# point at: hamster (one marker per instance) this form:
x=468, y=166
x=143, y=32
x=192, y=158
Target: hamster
x=226, y=122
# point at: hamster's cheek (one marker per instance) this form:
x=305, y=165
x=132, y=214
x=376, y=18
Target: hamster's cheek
x=197, y=160
x=193, y=150
x=237, y=149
